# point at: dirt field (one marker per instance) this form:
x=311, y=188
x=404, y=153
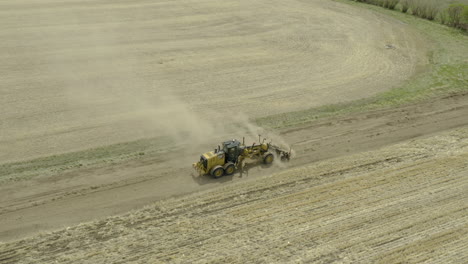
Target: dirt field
x=76, y=75
x=385, y=185
x=402, y=203
x=49, y=201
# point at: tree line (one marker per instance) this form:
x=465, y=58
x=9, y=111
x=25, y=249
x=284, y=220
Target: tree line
x=454, y=15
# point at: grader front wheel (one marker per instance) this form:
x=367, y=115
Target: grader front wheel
x=268, y=158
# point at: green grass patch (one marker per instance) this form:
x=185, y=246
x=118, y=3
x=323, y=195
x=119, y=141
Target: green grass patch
x=446, y=74
x=111, y=154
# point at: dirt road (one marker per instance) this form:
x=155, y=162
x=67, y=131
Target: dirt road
x=404, y=202
x=76, y=75
x=51, y=202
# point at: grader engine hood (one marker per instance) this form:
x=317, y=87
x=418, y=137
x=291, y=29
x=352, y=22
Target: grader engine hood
x=208, y=161
x=202, y=164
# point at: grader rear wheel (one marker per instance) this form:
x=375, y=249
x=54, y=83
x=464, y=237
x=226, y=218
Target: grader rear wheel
x=229, y=168
x=217, y=172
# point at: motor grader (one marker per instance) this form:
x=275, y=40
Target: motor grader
x=229, y=157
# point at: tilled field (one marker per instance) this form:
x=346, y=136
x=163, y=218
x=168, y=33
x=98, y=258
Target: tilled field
x=406, y=202
x=76, y=75
x=49, y=198
x=385, y=185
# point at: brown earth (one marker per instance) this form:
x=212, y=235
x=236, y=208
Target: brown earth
x=405, y=202
x=382, y=186
x=81, y=74
x=51, y=202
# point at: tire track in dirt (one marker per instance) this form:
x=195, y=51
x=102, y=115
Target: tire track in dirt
x=32, y=206
x=394, y=204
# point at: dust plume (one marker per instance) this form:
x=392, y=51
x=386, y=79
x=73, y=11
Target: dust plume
x=113, y=92
x=108, y=90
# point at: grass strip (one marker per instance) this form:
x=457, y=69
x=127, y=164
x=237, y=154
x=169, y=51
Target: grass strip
x=446, y=74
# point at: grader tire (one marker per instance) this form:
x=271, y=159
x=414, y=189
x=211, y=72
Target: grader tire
x=217, y=172
x=229, y=168
x=268, y=158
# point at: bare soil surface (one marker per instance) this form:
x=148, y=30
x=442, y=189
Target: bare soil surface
x=52, y=202
x=387, y=185
x=76, y=75
x=406, y=202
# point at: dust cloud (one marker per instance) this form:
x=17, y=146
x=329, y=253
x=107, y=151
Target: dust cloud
x=110, y=89
x=106, y=87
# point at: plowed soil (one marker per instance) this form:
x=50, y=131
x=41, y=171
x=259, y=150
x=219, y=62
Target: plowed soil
x=383, y=186
x=76, y=75
x=403, y=203
x=48, y=203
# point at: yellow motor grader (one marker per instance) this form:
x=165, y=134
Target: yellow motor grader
x=227, y=159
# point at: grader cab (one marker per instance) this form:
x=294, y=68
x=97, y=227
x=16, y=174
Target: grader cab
x=229, y=158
